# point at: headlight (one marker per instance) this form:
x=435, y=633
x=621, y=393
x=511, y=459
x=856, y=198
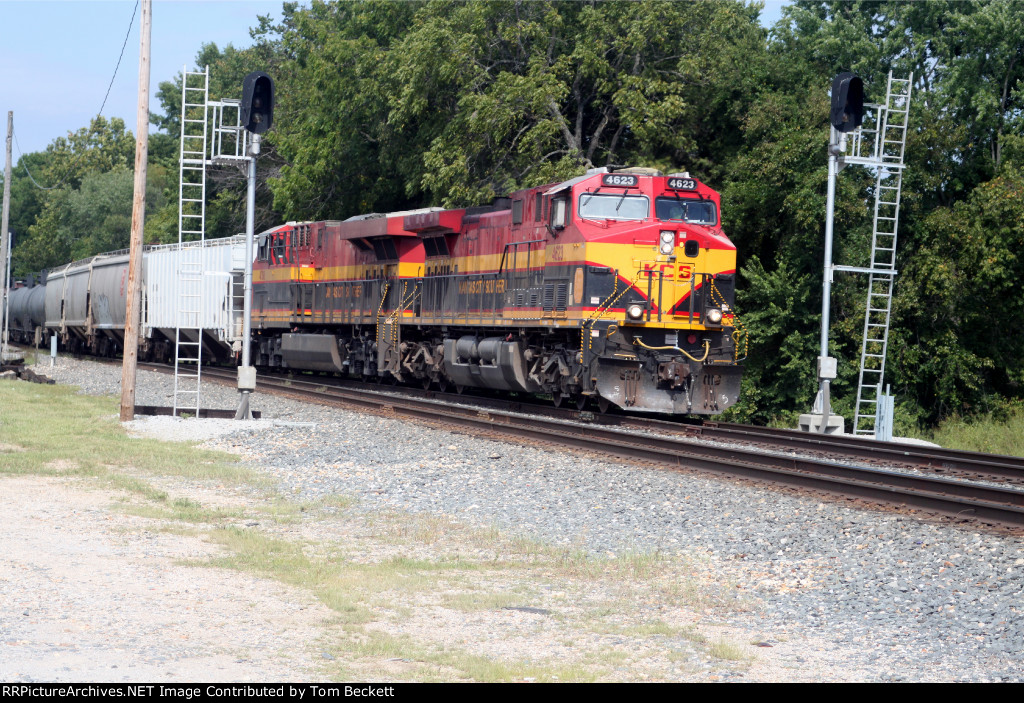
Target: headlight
x=713, y=315
x=635, y=312
x=668, y=242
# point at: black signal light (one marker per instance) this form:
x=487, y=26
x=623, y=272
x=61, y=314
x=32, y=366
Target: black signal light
x=847, y=102
x=257, y=107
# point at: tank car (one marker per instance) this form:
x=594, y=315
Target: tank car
x=26, y=307
x=613, y=287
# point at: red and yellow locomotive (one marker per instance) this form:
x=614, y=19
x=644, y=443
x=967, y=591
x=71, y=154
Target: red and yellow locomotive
x=612, y=287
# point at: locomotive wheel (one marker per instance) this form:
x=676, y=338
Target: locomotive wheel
x=426, y=383
x=603, y=404
x=459, y=389
x=557, y=398
x=581, y=401
x=442, y=384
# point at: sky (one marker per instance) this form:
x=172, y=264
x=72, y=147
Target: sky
x=57, y=57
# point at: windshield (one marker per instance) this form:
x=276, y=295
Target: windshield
x=698, y=212
x=611, y=206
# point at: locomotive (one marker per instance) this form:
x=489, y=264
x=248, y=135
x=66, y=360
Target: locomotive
x=614, y=287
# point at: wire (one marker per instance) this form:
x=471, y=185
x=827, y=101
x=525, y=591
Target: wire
x=707, y=349
x=126, y=35
x=24, y=165
x=102, y=106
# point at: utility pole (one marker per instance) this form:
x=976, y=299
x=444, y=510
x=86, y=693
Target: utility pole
x=4, y=234
x=133, y=311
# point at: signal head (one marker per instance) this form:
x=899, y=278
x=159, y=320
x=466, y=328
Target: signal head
x=847, y=102
x=257, y=107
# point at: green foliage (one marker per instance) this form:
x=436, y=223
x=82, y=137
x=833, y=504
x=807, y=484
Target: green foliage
x=984, y=85
x=80, y=222
x=104, y=145
x=26, y=199
x=89, y=209
x=954, y=326
x=777, y=308
x=963, y=334
x=1000, y=431
x=226, y=185
x=454, y=103
x=341, y=157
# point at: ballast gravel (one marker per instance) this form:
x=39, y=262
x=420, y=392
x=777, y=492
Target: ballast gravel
x=905, y=599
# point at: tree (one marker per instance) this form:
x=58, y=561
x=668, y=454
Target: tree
x=984, y=71
x=454, y=103
x=103, y=146
x=26, y=197
x=341, y=155
x=88, y=211
x=93, y=218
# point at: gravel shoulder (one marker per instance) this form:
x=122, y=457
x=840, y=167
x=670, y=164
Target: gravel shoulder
x=92, y=594
x=789, y=588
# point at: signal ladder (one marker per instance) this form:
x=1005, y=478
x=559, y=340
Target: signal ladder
x=881, y=147
x=188, y=333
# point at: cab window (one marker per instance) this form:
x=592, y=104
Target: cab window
x=698, y=212
x=612, y=206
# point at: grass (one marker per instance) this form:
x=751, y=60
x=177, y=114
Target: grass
x=385, y=575
x=1000, y=432
x=364, y=595
x=59, y=432
x=479, y=601
x=284, y=511
x=722, y=649
x=989, y=433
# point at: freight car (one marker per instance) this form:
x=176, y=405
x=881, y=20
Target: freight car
x=84, y=302
x=26, y=308
x=613, y=287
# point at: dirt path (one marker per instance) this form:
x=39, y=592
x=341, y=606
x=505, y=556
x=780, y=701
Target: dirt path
x=90, y=594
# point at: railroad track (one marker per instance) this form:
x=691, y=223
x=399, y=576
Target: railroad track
x=669, y=444
x=936, y=460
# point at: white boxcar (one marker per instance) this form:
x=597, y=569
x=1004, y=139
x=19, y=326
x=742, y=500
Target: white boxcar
x=220, y=316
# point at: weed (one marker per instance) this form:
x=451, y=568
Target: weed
x=64, y=433
x=727, y=650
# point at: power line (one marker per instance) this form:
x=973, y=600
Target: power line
x=126, y=35
x=102, y=106
x=24, y=165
